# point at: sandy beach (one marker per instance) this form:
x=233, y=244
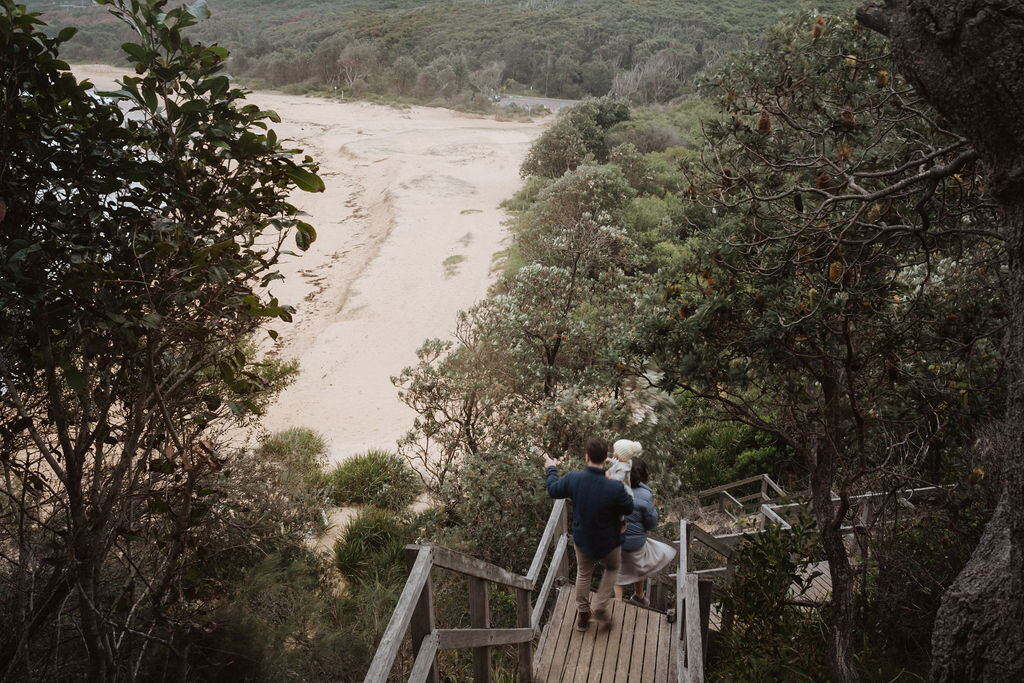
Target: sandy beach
x=407, y=230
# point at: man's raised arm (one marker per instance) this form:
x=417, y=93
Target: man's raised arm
x=557, y=488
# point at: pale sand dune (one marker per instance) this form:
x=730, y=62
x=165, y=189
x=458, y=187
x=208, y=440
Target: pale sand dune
x=406, y=189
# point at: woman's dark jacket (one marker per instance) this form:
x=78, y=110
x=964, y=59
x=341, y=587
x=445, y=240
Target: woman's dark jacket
x=642, y=519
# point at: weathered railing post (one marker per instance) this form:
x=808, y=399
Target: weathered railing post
x=524, y=613
x=704, y=591
x=422, y=623
x=561, y=529
x=391, y=641
x=480, y=617
x=692, y=623
x=684, y=557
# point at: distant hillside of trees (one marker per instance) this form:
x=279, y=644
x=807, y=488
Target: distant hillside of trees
x=426, y=49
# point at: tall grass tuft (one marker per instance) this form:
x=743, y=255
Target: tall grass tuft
x=373, y=544
x=296, y=458
x=378, y=478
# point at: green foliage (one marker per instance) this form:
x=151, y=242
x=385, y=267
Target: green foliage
x=297, y=457
x=138, y=233
x=796, y=292
x=646, y=136
x=577, y=137
x=635, y=167
x=720, y=452
x=916, y=556
x=527, y=194
x=770, y=639
x=372, y=544
x=495, y=508
x=558, y=49
x=378, y=478
x=300, y=449
x=280, y=622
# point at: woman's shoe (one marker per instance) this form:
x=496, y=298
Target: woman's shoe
x=643, y=602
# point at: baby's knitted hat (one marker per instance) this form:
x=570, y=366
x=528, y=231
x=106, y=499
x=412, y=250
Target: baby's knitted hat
x=625, y=450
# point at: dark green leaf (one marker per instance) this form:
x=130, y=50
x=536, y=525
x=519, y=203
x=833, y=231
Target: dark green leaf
x=306, y=180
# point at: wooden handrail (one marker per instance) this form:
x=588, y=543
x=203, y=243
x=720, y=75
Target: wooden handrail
x=731, y=485
x=694, y=646
x=924, y=492
x=545, y=540
x=471, y=566
x=778, y=489
x=481, y=637
x=387, y=650
x=769, y=513
x=684, y=549
x=549, y=580
x=458, y=638
x=424, y=659
x=712, y=542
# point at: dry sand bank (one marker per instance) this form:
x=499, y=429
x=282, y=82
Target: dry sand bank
x=406, y=190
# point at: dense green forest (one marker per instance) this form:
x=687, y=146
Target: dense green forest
x=437, y=49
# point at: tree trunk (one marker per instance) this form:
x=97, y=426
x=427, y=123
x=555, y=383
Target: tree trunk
x=840, y=653
x=830, y=522
x=966, y=57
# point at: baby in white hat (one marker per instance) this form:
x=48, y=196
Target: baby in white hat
x=623, y=452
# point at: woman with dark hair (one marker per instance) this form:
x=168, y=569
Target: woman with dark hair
x=641, y=556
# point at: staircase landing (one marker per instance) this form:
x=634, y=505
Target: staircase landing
x=636, y=647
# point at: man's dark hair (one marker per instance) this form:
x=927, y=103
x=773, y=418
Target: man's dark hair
x=637, y=472
x=597, y=450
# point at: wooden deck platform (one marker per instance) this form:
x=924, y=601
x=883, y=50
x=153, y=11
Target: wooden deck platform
x=636, y=647
x=820, y=588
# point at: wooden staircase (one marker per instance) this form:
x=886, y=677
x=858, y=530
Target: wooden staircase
x=636, y=646
x=640, y=646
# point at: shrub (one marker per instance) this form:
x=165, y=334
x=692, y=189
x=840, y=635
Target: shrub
x=298, y=448
x=576, y=137
x=373, y=543
x=496, y=508
x=292, y=462
x=646, y=137
x=377, y=478
x=284, y=621
x=770, y=639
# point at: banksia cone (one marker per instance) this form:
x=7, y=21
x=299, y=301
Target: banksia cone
x=819, y=28
x=848, y=121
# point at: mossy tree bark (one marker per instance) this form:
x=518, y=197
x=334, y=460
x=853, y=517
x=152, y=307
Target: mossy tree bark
x=966, y=57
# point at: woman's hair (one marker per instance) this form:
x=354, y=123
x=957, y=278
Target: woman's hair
x=638, y=472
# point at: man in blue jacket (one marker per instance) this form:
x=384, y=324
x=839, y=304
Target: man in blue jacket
x=598, y=506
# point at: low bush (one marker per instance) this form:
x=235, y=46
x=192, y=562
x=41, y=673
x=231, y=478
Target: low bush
x=646, y=137
x=372, y=544
x=495, y=508
x=378, y=478
x=293, y=462
x=287, y=621
x=770, y=639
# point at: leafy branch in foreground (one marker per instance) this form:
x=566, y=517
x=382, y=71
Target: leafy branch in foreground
x=139, y=232
x=845, y=287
